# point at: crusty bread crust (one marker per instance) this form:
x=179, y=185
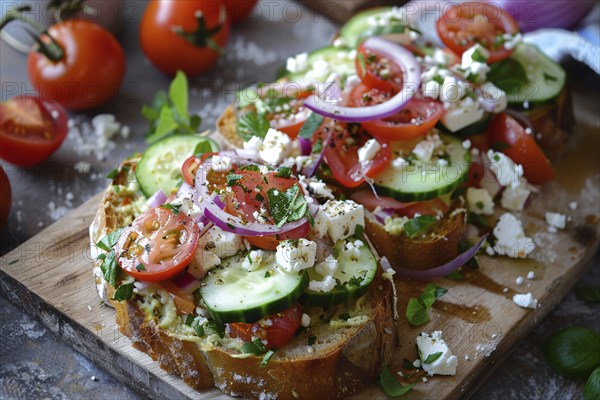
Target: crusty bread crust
x=227, y=126
x=349, y=361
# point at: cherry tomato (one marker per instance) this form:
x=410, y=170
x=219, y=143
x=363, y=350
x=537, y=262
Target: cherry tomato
x=462, y=25
x=244, y=204
x=377, y=72
x=87, y=75
x=239, y=10
x=291, y=121
x=184, y=35
x=31, y=129
x=522, y=148
x=5, y=197
x=184, y=302
x=342, y=153
x=280, y=330
x=157, y=245
x=414, y=120
x=189, y=170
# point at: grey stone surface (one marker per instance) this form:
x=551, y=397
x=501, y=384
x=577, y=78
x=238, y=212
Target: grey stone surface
x=36, y=364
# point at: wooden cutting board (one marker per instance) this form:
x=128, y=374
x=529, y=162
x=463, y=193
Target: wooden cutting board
x=50, y=277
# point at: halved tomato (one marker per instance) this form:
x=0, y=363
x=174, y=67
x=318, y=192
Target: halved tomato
x=341, y=155
x=463, y=25
x=189, y=169
x=521, y=148
x=31, y=129
x=157, y=245
x=290, y=121
x=376, y=71
x=276, y=329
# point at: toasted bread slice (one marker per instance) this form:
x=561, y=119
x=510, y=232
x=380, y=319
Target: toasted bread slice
x=345, y=357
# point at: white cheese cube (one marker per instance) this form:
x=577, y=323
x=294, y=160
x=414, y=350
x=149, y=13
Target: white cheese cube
x=525, y=300
x=368, y=151
x=445, y=364
x=296, y=255
x=253, y=143
x=275, y=147
x=493, y=97
x=510, y=41
x=188, y=206
x=506, y=171
x=442, y=57
x=515, y=196
x=326, y=285
x=222, y=244
x=466, y=113
x=320, y=189
x=556, y=220
x=339, y=219
x=479, y=201
x=511, y=238
x=453, y=90
x=220, y=163
x=327, y=267
x=253, y=260
x=475, y=53
x=431, y=89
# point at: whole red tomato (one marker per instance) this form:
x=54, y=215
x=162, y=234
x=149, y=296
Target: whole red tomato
x=87, y=74
x=5, y=197
x=184, y=35
x=238, y=10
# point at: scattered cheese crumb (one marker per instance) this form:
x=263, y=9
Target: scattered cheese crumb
x=573, y=205
x=531, y=275
x=556, y=220
x=519, y=280
x=525, y=300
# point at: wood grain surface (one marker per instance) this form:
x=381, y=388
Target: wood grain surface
x=50, y=277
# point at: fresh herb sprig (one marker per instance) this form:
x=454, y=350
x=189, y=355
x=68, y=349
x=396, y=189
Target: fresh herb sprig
x=417, y=310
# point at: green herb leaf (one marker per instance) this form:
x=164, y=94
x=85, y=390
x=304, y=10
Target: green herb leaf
x=174, y=208
x=417, y=310
x=166, y=124
x=287, y=206
x=140, y=267
x=477, y=56
x=253, y=124
x=407, y=364
x=189, y=319
x=591, y=391
x=198, y=329
x=432, y=357
x=508, y=74
x=284, y=172
x=418, y=225
x=233, y=179
x=390, y=384
x=355, y=280
x=310, y=126
x=254, y=347
x=109, y=241
x=111, y=268
x=178, y=93
x=589, y=294
x=267, y=358
x=212, y=327
x=246, y=97
x=203, y=147
x=358, y=231
x=124, y=292
x=317, y=147
x=455, y=276
x=13, y=261
x=574, y=351
x=112, y=174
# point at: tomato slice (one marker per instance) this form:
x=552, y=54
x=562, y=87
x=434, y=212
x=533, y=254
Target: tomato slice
x=522, y=148
x=31, y=129
x=290, y=121
x=157, y=245
x=189, y=170
x=276, y=329
x=249, y=199
x=184, y=302
x=463, y=25
x=376, y=71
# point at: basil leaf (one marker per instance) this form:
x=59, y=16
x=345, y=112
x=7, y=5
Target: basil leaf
x=112, y=174
x=432, y=357
x=508, y=74
x=253, y=124
x=178, y=93
x=233, y=179
x=189, y=320
x=254, y=347
x=418, y=224
x=174, y=208
x=109, y=241
x=477, y=56
x=310, y=126
x=111, y=270
x=390, y=384
x=589, y=294
x=455, y=276
x=202, y=148
x=417, y=310
x=288, y=206
x=284, y=172
x=267, y=358
x=574, y=351
x=165, y=125
x=124, y=292
x=591, y=391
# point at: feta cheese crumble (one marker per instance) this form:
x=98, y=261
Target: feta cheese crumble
x=368, y=151
x=275, y=148
x=445, y=364
x=525, y=300
x=296, y=255
x=479, y=201
x=339, y=219
x=511, y=238
x=556, y=220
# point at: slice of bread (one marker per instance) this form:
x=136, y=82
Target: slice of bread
x=345, y=357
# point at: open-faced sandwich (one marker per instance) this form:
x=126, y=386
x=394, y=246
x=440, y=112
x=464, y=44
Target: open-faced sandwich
x=252, y=268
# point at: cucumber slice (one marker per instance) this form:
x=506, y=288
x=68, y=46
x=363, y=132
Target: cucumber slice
x=359, y=24
x=339, y=60
x=546, y=78
x=419, y=180
x=160, y=166
x=353, y=276
x=233, y=294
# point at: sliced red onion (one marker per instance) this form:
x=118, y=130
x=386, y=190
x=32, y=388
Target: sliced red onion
x=233, y=224
x=312, y=169
x=186, y=282
x=411, y=80
x=305, y=146
x=186, y=190
x=535, y=14
x=157, y=199
x=521, y=118
x=382, y=213
x=445, y=269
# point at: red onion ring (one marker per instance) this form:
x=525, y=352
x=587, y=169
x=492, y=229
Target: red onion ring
x=305, y=146
x=233, y=224
x=311, y=170
x=157, y=199
x=186, y=282
x=445, y=269
x=411, y=80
